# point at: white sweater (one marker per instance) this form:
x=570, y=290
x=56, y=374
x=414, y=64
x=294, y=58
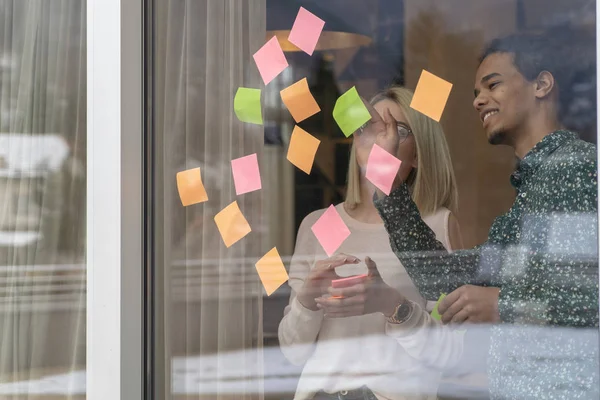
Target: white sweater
x=395, y=361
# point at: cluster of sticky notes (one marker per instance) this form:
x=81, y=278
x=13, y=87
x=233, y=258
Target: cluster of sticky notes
x=330, y=230
x=431, y=95
x=382, y=168
x=246, y=105
x=350, y=112
x=302, y=149
x=434, y=313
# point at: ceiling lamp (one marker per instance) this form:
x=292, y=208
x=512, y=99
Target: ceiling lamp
x=336, y=34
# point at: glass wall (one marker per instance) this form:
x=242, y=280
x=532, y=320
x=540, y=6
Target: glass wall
x=42, y=199
x=518, y=308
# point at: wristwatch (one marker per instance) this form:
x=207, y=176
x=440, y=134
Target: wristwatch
x=402, y=312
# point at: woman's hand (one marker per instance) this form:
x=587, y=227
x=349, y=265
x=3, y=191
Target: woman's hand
x=320, y=277
x=372, y=296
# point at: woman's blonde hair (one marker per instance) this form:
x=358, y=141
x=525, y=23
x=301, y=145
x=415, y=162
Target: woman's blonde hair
x=432, y=183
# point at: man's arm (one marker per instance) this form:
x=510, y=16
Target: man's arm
x=555, y=282
x=430, y=266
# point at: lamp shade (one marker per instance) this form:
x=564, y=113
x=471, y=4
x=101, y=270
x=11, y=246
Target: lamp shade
x=337, y=34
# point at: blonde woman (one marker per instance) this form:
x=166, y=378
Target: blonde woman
x=353, y=357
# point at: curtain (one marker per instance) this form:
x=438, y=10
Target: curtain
x=42, y=187
x=208, y=315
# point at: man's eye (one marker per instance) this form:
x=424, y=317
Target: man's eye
x=494, y=84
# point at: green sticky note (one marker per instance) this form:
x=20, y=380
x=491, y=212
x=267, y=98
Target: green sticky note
x=247, y=105
x=350, y=112
x=434, y=313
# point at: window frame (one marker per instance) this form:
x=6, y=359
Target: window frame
x=114, y=200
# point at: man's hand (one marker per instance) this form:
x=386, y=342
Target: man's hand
x=473, y=304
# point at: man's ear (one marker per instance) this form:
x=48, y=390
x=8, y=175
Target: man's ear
x=544, y=84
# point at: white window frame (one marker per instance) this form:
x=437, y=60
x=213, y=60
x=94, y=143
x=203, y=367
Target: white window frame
x=114, y=199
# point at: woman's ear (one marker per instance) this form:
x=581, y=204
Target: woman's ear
x=415, y=161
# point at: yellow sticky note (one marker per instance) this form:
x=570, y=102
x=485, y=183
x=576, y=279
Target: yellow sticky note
x=190, y=187
x=302, y=150
x=431, y=95
x=299, y=101
x=232, y=224
x=435, y=313
x=271, y=271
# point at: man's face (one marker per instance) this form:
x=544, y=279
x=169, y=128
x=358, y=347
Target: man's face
x=503, y=98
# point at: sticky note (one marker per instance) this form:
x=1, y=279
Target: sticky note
x=431, y=95
x=190, y=187
x=350, y=112
x=382, y=168
x=306, y=31
x=246, y=174
x=434, y=313
x=271, y=271
x=299, y=101
x=302, y=150
x=330, y=230
x=232, y=224
x=270, y=60
x=246, y=105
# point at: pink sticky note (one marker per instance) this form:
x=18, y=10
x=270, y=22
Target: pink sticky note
x=382, y=168
x=330, y=230
x=246, y=175
x=306, y=31
x=270, y=60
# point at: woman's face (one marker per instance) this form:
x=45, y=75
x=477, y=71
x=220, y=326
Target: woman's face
x=363, y=142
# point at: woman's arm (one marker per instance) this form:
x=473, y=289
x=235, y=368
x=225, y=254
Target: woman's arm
x=454, y=235
x=299, y=328
x=425, y=339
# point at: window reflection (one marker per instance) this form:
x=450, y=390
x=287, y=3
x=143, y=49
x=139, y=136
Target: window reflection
x=222, y=335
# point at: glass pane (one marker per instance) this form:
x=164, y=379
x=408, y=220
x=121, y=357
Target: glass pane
x=42, y=199
x=494, y=203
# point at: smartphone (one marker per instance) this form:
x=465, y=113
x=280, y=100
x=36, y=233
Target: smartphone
x=347, y=282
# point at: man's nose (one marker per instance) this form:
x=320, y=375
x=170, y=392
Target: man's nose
x=479, y=102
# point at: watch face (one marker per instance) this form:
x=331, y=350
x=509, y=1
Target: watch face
x=403, y=311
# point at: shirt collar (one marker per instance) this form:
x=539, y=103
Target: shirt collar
x=536, y=156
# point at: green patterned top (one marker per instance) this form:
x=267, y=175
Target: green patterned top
x=543, y=254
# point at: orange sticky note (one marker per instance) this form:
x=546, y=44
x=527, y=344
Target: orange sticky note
x=302, y=150
x=431, y=95
x=271, y=271
x=232, y=224
x=299, y=101
x=190, y=187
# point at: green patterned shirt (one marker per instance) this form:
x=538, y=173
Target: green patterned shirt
x=543, y=254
